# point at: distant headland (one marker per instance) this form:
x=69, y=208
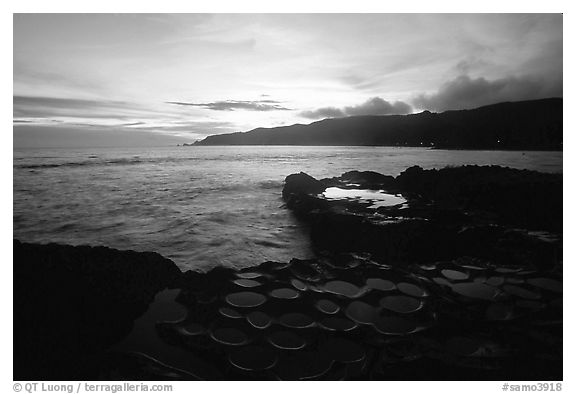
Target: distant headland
x=523, y=125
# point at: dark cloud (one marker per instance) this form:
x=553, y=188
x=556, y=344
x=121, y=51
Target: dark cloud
x=84, y=112
x=325, y=112
x=38, y=107
x=470, y=64
x=55, y=102
x=132, y=124
x=465, y=92
x=42, y=111
x=373, y=106
x=378, y=106
x=231, y=105
x=183, y=131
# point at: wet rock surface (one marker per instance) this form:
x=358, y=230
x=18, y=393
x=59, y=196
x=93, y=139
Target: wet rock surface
x=500, y=214
x=72, y=303
x=520, y=198
x=464, y=319
x=442, y=286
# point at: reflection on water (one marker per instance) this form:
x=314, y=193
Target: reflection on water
x=144, y=337
x=200, y=206
x=378, y=198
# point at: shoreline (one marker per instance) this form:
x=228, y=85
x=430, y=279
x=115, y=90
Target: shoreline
x=438, y=279
x=377, y=146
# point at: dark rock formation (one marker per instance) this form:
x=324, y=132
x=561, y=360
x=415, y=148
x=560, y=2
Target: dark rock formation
x=525, y=125
x=489, y=212
x=527, y=199
x=448, y=285
x=369, y=179
x=301, y=184
x=347, y=316
x=72, y=303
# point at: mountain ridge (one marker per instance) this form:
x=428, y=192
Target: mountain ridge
x=521, y=125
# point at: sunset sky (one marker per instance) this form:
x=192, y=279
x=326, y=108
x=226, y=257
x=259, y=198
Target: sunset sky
x=155, y=77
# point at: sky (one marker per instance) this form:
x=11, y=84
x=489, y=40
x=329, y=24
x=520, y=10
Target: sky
x=122, y=79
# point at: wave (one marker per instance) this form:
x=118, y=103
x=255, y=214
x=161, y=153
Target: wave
x=107, y=162
x=80, y=164
x=96, y=161
x=247, y=187
x=270, y=184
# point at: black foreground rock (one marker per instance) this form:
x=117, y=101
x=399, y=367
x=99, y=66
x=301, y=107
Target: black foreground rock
x=347, y=316
x=504, y=215
x=72, y=303
x=410, y=283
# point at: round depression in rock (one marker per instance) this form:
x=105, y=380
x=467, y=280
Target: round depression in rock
x=296, y=320
x=248, y=275
x=327, y=306
x=253, y=358
x=401, y=304
x=442, y=282
x=245, y=299
x=284, y=293
x=193, y=328
x=475, y=290
x=259, y=319
x=473, y=267
x=380, y=284
x=340, y=287
x=229, y=312
x=299, y=284
x=229, y=336
x=246, y=283
x=412, y=290
x=395, y=325
x=337, y=324
x=454, y=275
x=361, y=312
x=286, y=340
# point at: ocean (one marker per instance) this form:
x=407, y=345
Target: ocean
x=201, y=206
